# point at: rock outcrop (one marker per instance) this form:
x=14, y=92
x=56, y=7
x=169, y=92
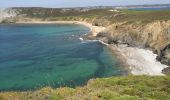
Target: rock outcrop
x=7, y=15
x=154, y=35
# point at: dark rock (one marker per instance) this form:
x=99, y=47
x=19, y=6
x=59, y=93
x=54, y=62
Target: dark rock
x=112, y=41
x=166, y=71
x=163, y=55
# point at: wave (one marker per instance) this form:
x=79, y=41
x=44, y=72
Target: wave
x=141, y=61
x=87, y=41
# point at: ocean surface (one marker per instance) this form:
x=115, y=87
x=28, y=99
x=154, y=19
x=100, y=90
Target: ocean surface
x=34, y=56
x=151, y=8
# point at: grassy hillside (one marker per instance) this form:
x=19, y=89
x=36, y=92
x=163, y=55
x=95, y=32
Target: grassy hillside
x=113, y=88
x=56, y=12
x=102, y=17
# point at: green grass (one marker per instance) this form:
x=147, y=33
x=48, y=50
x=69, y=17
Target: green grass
x=130, y=16
x=113, y=88
x=102, y=17
x=146, y=16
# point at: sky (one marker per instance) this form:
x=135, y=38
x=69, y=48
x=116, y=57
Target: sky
x=76, y=3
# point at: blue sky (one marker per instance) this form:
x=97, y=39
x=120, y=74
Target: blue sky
x=75, y=3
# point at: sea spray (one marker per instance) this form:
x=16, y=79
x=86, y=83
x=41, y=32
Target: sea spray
x=141, y=61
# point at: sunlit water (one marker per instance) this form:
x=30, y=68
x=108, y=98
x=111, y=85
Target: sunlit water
x=34, y=56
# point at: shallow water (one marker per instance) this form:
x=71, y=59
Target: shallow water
x=34, y=56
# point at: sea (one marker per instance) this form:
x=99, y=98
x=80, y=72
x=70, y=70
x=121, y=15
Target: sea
x=151, y=8
x=34, y=56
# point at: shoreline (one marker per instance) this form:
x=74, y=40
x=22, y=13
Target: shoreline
x=140, y=61
x=93, y=29
x=133, y=60
x=137, y=61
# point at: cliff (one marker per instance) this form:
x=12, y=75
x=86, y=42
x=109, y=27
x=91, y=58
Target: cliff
x=7, y=15
x=154, y=35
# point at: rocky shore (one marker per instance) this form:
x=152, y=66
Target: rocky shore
x=137, y=54
x=154, y=36
x=140, y=41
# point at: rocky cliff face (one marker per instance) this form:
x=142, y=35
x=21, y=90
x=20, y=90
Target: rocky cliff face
x=154, y=35
x=6, y=15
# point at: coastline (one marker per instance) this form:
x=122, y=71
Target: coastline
x=93, y=29
x=140, y=61
x=139, y=41
x=136, y=63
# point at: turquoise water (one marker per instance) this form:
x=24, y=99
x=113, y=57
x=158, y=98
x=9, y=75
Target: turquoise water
x=34, y=56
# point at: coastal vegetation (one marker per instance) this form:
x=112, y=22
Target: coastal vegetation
x=113, y=88
x=107, y=16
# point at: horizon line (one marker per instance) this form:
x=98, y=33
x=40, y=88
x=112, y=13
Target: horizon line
x=168, y=4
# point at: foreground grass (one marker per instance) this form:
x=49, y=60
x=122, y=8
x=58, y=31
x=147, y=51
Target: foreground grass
x=114, y=88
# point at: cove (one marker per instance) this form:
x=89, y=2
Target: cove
x=37, y=55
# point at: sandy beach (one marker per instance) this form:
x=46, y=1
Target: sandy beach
x=94, y=29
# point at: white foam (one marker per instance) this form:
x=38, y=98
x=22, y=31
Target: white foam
x=81, y=39
x=103, y=43
x=141, y=61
